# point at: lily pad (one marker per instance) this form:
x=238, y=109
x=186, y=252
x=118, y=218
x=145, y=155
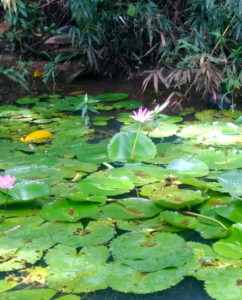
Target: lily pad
x=121, y=145
x=150, y=252
x=74, y=272
x=172, y=197
x=124, y=279
x=231, y=246
x=28, y=190
x=112, y=96
x=191, y=166
x=68, y=211
x=105, y=186
x=37, y=294
x=232, y=182
x=129, y=209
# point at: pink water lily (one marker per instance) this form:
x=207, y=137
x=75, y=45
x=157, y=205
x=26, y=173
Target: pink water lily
x=142, y=115
x=7, y=181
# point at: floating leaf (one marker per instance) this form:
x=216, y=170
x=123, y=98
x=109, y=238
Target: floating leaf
x=172, y=197
x=232, y=182
x=37, y=294
x=112, y=96
x=231, y=246
x=145, y=252
x=124, y=279
x=28, y=190
x=130, y=208
x=74, y=272
x=68, y=211
x=105, y=186
x=190, y=166
x=121, y=145
x=95, y=233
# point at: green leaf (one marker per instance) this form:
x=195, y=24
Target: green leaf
x=105, y=186
x=121, y=145
x=28, y=190
x=74, y=272
x=232, y=182
x=225, y=284
x=112, y=96
x=146, y=252
x=68, y=211
x=232, y=212
x=95, y=233
x=232, y=246
x=172, y=197
x=124, y=279
x=37, y=294
x=190, y=166
x=130, y=208
x=131, y=10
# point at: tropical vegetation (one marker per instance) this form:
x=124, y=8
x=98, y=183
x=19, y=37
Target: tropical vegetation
x=192, y=44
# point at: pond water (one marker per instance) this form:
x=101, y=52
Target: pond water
x=104, y=208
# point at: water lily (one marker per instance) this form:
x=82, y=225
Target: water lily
x=142, y=115
x=7, y=181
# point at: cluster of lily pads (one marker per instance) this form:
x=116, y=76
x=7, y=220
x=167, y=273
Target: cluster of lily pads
x=89, y=208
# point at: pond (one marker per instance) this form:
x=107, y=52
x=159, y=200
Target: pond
x=99, y=202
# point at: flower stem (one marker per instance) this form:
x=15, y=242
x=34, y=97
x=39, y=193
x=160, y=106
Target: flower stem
x=6, y=201
x=205, y=217
x=135, y=141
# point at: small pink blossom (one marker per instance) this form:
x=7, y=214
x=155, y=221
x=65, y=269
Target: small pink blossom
x=142, y=115
x=7, y=181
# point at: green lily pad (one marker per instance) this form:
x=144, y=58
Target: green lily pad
x=226, y=280
x=120, y=147
x=129, y=209
x=145, y=252
x=206, y=228
x=74, y=272
x=37, y=294
x=232, y=182
x=172, y=197
x=191, y=166
x=128, y=104
x=27, y=100
x=69, y=297
x=124, y=279
x=222, y=160
x=6, y=285
x=146, y=224
x=140, y=174
x=231, y=246
x=68, y=211
x=28, y=190
x=233, y=211
x=95, y=233
x=112, y=96
x=105, y=186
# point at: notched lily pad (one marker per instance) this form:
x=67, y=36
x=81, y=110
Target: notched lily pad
x=68, y=211
x=145, y=252
x=129, y=209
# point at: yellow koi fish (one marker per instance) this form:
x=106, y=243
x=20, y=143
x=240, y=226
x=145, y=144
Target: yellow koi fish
x=37, y=136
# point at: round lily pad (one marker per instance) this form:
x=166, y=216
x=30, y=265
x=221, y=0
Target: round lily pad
x=145, y=252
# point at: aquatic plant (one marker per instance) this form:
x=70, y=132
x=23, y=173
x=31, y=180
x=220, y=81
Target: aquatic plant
x=7, y=181
x=79, y=221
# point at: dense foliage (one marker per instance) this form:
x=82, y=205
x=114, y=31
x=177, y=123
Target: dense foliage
x=178, y=43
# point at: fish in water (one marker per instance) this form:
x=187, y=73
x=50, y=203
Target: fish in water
x=220, y=102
